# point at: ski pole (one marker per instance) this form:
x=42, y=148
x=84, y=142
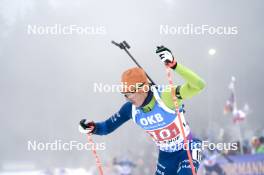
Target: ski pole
x=98, y=162
x=125, y=46
x=169, y=76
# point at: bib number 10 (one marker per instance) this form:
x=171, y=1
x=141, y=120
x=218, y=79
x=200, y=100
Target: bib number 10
x=167, y=133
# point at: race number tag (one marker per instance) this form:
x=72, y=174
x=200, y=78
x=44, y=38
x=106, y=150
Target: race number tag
x=171, y=132
x=166, y=133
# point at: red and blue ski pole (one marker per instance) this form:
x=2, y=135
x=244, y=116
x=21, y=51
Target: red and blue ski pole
x=169, y=76
x=97, y=159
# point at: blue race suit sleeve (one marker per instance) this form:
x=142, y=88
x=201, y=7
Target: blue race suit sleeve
x=115, y=121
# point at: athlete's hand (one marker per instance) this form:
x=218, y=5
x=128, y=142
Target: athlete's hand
x=86, y=127
x=166, y=56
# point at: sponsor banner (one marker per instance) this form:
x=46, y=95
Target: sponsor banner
x=241, y=165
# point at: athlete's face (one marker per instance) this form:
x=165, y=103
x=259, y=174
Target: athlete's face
x=137, y=98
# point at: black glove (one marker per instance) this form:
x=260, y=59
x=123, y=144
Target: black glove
x=166, y=56
x=86, y=127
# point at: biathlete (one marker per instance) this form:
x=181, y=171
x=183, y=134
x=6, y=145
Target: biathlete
x=153, y=110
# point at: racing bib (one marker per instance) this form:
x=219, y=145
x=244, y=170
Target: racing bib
x=163, y=125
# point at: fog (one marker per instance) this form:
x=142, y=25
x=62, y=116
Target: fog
x=47, y=80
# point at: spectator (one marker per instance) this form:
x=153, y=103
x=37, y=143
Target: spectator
x=257, y=144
